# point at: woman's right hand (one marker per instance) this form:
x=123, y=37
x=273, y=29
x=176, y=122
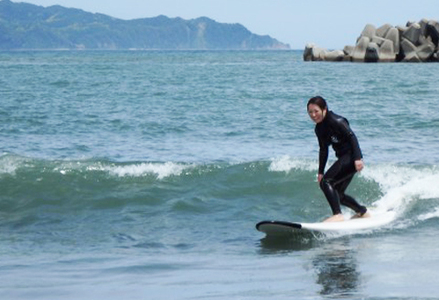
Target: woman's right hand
x=319, y=177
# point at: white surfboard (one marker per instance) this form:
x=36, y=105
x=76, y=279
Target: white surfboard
x=350, y=225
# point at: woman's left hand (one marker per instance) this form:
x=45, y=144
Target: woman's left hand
x=359, y=165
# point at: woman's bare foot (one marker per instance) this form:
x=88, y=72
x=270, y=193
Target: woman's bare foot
x=335, y=218
x=359, y=215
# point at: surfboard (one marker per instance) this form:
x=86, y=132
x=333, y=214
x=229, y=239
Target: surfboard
x=350, y=225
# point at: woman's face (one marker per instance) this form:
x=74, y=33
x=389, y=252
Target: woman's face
x=316, y=113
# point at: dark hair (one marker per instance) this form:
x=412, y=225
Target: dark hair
x=319, y=101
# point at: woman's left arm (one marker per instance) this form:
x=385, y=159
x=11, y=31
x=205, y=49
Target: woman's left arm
x=351, y=137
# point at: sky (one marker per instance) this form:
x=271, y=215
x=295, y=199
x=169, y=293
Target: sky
x=328, y=24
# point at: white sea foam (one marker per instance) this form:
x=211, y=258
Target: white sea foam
x=8, y=167
x=10, y=163
x=431, y=215
x=286, y=164
x=161, y=170
x=401, y=185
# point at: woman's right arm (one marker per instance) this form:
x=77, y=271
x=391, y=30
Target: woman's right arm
x=323, y=154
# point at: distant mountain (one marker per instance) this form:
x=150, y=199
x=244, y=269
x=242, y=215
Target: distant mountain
x=28, y=26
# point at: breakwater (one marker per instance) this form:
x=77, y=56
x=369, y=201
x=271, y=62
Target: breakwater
x=415, y=42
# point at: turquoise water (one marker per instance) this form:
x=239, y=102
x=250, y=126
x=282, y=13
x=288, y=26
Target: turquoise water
x=141, y=175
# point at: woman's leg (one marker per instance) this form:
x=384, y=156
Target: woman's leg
x=335, y=182
x=327, y=184
x=347, y=200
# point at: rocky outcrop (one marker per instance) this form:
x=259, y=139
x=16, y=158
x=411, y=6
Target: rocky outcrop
x=415, y=42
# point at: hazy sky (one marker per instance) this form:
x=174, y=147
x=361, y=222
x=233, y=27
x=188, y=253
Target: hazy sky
x=329, y=24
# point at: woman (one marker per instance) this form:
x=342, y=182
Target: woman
x=334, y=130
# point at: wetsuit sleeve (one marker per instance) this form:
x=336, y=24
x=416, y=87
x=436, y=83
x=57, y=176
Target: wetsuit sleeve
x=323, y=153
x=346, y=130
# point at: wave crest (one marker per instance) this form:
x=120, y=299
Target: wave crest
x=288, y=164
x=161, y=170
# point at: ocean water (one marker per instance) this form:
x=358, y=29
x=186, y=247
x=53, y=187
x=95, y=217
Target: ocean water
x=141, y=175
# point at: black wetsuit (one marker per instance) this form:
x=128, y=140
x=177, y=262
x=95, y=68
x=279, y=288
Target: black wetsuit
x=334, y=130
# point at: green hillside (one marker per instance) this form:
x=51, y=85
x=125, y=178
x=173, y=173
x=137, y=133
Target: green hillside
x=27, y=26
